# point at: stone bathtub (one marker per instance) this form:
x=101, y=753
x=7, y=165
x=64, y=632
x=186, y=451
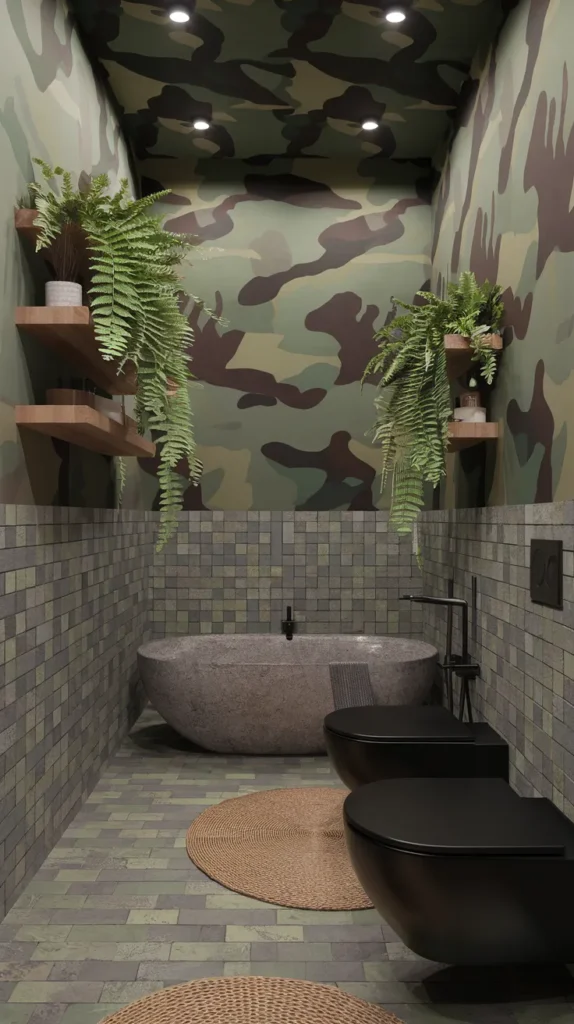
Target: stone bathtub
x=262, y=694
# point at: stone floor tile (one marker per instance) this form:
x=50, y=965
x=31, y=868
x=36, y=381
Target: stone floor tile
x=286, y=915
x=262, y=952
x=228, y=917
x=154, y=917
x=234, y=901
x=173, y=972
x=56, y=992
x=302, y=950
x=334, y=970
x=264, y=933
x=148, y=888
x=142, y=951
x=90, y=915
x=109, y=933
x=93, y=970
x=128, y=991
x=383, y=992
x=202, y=888
x=46, y=1013
x=120, y=902
x=358, y=951
x=353, y=933
x=209, y=951
x=24, y=972
x=18, y=952
x=179, y=902
x=48, y=888
x=31, y=915
x=398, y=951
x=15, y=1014
x=43, y=933
x=411, y=971
x=77, y=875
x=55, y=951
x=91, y=889
x=369, y=916
x=266, y=969
x=89, y=1013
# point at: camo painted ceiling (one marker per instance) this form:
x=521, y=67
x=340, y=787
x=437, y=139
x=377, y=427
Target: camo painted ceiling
x=288, y=77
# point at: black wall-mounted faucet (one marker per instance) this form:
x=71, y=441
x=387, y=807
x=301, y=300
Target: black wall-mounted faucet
x=462, y=665
x=288, y=625
x=453, y=602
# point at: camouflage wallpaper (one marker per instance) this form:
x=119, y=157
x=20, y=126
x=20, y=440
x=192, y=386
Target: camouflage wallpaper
x=287, y=79
x=505, y=208
x=50, y=107
x=301, y=258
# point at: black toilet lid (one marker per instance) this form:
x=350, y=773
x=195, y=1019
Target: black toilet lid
x=399, y=724
x=457, y=817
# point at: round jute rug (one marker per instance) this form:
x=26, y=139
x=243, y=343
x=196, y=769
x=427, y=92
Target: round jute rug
x=251, y=1001
x=283, y=846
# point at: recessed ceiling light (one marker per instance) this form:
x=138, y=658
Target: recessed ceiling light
x=369, y=126
x=201, y=125
x=395, y=17
x=180, y=15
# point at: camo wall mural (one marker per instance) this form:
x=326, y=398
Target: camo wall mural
x=301, y=258
x=504, y=208
x=50, y=107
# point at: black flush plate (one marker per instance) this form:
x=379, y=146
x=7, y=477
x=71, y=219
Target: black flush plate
x=546, y=572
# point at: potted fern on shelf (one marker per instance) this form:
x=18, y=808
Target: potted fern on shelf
x=136, y=306
x=414, y=404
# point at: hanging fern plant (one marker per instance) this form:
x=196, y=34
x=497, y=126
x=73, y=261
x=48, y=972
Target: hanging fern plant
x=414, y=405
x=135, y=294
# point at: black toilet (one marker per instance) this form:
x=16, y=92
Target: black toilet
x=375, y=742
x=465, y=870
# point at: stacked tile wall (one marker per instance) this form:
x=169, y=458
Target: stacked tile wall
x=526, y=650
x=73, y=610
x=236, y=572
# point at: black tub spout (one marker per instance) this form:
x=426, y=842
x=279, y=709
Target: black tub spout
x=288, y=624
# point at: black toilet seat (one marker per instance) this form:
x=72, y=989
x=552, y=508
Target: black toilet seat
x=455, y=817
x=377, y=723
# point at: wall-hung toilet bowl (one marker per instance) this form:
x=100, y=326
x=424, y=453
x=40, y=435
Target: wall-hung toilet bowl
x=465, y=870
x=366, y=744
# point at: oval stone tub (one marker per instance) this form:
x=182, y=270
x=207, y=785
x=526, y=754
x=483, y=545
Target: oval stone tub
x=263, y=694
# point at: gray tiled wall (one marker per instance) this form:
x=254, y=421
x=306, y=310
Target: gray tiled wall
x=526, y=650
x=75, y=589
x=236, y=572
x=73, y=610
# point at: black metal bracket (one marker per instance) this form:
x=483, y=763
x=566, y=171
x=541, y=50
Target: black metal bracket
x=462, y=669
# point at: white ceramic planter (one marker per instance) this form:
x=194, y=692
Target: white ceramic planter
x=470, y=414
x=63, y=293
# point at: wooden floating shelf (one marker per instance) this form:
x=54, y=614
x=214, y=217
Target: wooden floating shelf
x=85, y=427
x=459, y=353
x=464, y=435
x=69, y=330
x=25, y=222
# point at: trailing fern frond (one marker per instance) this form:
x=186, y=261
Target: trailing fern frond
x=414, y=404
x=135, y=293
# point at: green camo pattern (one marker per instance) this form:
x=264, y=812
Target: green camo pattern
x=505, y=209
x=50, y=107
x=288, y=79
x=302, y=259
